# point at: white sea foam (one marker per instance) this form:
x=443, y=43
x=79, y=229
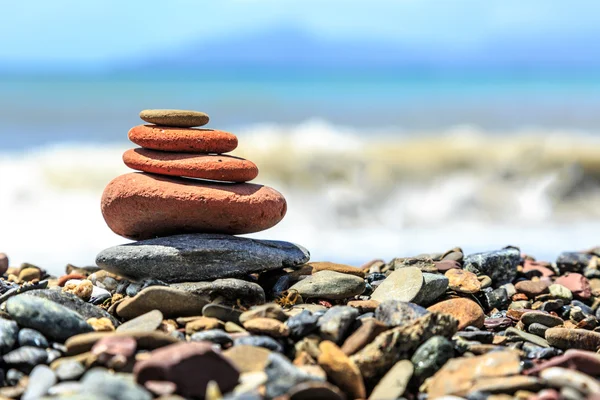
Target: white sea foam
x=351, y=197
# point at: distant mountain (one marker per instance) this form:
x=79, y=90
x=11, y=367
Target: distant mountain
x=293, y=47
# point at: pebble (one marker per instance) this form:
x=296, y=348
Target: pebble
x=317, y=266
x=8, y=335
x=170, y=302
x=248, y=358
x=222, y=312
x=396, y=312
x=329, y=285
x=203, y=324
x=25, y=358
x=147, y=322
x=560, y=292
x=99, y=381
x=541, y=318
x=270, y=310
x=69, y=370
x=577, y=284
x=366, y=333
x=31, y=337
x=315, y=390
x=398, y=343
x=364, y=306
x=3, y=263
x=176, y=258
x=51, y=319
x=583, y=361
x=336, y=322
x=528, y=337
x=227, y=208
x=282, y=375
x=248, y=293
x=189, y=366
x=403, y=284
x=29, y=274
x=178, y=118
x=431, y=356
x=260, y=341
x=497, y=298
x=41, y=379
x=267, y=326
x=561, y=377
x=459, y=375
x=394, y=382
x=467, y=312
x=183, y=140
x=538, y=329
x=341, y=370
x=302, y=324
x=533, y=288
x=202, y=166
x=500, y=265
x=564, y=338
x=463, y=281
x=569, y=261
x=434, y=286
x=216, y=336
x=145, y=340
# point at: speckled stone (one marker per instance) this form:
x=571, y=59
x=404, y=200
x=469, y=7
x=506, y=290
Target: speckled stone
x=178, y=118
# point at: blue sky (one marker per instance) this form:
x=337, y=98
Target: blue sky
x=102, y=31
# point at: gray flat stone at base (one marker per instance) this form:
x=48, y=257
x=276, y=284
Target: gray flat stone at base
x=197, y=257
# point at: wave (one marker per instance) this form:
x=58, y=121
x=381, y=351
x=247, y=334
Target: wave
x=352, y=195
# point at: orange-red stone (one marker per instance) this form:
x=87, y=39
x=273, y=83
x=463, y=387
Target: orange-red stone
x=187, y=140
x=203, y=166
x=142, y=206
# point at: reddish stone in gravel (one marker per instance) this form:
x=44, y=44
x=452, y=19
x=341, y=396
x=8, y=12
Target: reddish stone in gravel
x=364, y=335
x=467, y=312
x=203, y=166
x=189, y=367
x=65, y=278
x=3, y=263
x=185, y=140
x=532, y=288
x=537, y=268
x=445, y=265
x=142, y=206
x=576, y=283
x=580, y=360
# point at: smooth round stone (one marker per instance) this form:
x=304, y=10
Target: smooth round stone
x=463, y=281
x=197, y=257
x=183, y=140
x=532, y=288
x=51, y=319
x=341, y=370
x=329, y=285
x=179, y=118
x=560, y=292
x=403, y=284
x=170, y=302
x=434, y=285
x=577, y=284
x=217, y=336
x=537, y=329
x=398, y=313
x=31, y=337
x=99, y=381
x=249, y=293
x=221, y=312
x=528, y=337
x=564, y=338
x=336, y=322
x=26, y=358
x=394, y=382
x=561, y=377
x=145, y=340
x=142, y=206
x=260, y=341
x=431, y=356
x=3, y=263
x=41, y=379
x=202, y=166
x=466, y=311
x=8, y=335
x=69, y=370
x=248, y=358
x=282, y=376
x=301, y=325
x=541, y=318
x=270, y=310
x=315, y=390
x=147, y=322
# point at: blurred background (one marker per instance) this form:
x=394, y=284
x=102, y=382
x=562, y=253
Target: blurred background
x=392, y=127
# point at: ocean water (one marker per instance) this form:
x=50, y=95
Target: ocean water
x=372, y=165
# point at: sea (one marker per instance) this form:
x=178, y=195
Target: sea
x=373, y=163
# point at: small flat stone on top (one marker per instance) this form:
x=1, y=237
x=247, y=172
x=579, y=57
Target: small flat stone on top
x=403, y=284
x=179, y=118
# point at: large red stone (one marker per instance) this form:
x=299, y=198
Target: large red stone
x=142, y=206
x=576, y=283
x=203, y=166
x=188, y=367
x=187, y=140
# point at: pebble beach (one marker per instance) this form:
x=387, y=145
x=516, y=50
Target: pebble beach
x=191, y=310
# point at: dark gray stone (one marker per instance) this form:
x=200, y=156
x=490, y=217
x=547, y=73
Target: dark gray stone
x=26, y=358
x=41, y=379
x=114, y=386
x=484, y=337
x=31, y=337
x=336, y=322
x=431, y=356
x=136, y=287
x=500, y=265
x=434, y=285
x=198, y=257
x=282, y=375
x=398, y=313
x=302, y=324
x=217, y=336
x=572, y=261
x=260, y=341
x=497, y=298
x=51, y=319
x=74, y=303
x=232, y=289
x=8, y=335
x=222, y=312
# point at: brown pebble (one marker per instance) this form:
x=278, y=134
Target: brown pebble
x=364, y=335
x=533, y=288
x=364, y=306
x=29, y=274
x=183, y=140
x=467, y=312
x=203, y=324
x=267, y=326
x=341, y=370
x=63, y=279
x=463, y=281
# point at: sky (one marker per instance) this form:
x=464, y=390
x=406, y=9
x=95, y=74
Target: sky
x=106, y=31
